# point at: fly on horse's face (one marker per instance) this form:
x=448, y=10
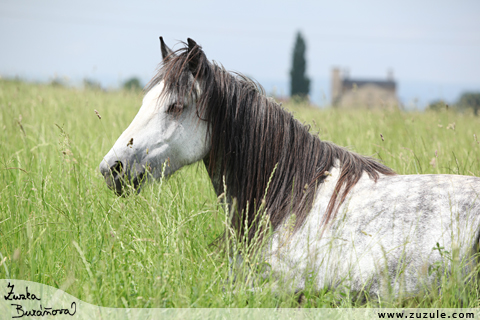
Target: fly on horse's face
x=164, y=132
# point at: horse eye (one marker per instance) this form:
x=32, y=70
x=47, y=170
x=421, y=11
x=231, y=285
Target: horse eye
x=175, y=108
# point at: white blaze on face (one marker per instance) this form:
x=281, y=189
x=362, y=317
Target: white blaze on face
x=156, y=136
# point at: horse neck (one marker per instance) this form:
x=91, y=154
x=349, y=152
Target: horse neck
x=283, y=199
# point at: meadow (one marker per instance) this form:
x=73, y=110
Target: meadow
x=60, y=225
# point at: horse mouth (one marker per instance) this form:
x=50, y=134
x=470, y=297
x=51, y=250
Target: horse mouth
x=120, y=180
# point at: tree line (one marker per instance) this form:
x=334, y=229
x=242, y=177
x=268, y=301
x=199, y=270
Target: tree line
x=467, y=101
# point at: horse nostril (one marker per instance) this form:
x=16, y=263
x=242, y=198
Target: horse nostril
x=137, y=181
x=117, y=169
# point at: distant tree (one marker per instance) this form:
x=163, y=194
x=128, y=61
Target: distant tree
x=132, y=84
x=57, y=82
x=299, y=83
x=469, y=100
x=91, y=84
x=437, y=105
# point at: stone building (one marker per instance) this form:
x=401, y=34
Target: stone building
x=348, y=93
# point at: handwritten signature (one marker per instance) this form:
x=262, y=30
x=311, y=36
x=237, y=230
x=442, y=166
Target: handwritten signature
x=40, y=312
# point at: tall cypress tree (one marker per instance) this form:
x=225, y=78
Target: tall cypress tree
x=299, y=83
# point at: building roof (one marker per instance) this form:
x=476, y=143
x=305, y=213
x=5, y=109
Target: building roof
x=348, y=84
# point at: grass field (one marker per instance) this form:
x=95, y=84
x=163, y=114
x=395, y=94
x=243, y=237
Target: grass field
x=60, y=225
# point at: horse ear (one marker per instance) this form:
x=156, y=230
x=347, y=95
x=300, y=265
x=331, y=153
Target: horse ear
x=191, y=44
x=195, y=54
x=167, y=53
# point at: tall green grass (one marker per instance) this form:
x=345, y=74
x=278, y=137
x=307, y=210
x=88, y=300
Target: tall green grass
x=60, y=225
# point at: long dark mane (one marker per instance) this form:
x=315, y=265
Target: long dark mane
x=254, y=140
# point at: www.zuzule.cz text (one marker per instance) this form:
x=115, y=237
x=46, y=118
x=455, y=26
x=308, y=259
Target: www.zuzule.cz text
x=426, y=315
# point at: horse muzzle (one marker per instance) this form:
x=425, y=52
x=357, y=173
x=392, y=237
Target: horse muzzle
x=121, y=178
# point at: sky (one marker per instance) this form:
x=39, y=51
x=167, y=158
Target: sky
x=432, y=47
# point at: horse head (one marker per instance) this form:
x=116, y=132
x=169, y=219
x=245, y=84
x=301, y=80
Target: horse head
x=167, y=133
